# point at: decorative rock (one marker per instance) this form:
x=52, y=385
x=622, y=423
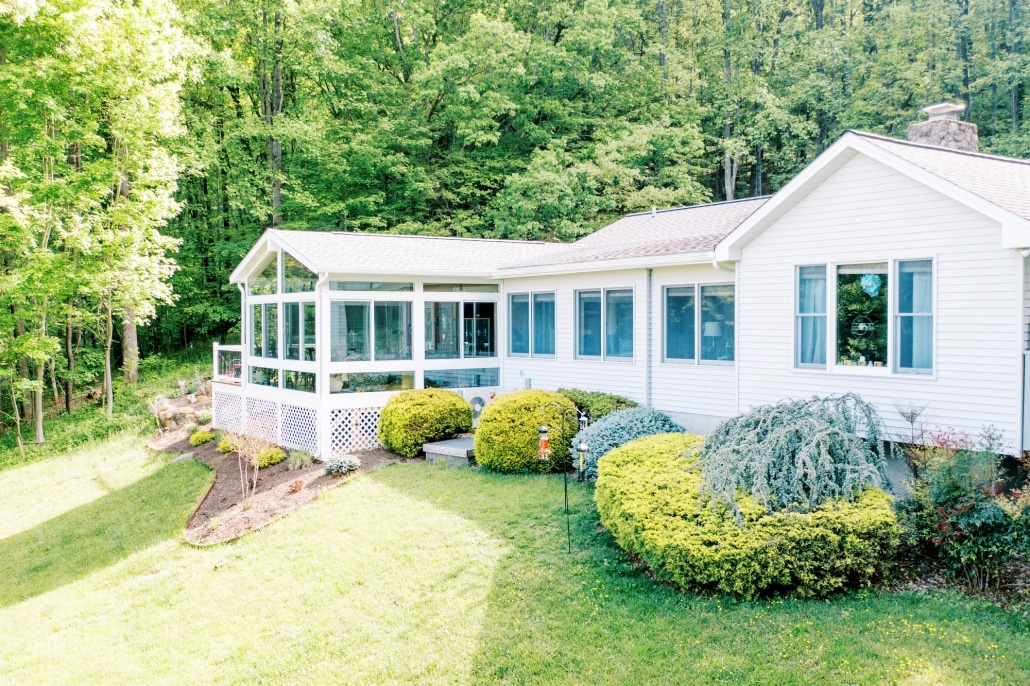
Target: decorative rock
x=184, y=456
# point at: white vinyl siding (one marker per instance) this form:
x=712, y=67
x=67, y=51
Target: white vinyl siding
x=866, y=212
x=565, y=369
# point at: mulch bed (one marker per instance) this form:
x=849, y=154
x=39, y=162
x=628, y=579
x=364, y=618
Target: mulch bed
x=221, y=516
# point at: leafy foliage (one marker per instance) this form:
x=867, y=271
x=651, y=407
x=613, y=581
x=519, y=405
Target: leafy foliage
x=507, y=437
x=271, y=455
x=413, y=418
x=796, y=454
x=596, y=404
x=225, y=444
x=201, y=437
x=342, y=464
x=961, y=511
x=619, y=428
x=649, y=497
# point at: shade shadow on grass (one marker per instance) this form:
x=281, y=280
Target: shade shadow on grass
x=594, y=617
x=98, y=534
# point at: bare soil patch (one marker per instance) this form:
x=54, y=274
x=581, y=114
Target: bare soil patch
x=222, y=517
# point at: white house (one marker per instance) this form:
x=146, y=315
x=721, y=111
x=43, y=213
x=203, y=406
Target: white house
x=895, y=269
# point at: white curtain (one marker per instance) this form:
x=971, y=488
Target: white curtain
x=812, y=315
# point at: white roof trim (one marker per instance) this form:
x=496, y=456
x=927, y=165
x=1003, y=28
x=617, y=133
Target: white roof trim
x=254, y=259
x=1015, y=229
x=615, y=264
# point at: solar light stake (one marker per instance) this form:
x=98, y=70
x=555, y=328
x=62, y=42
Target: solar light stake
x=582, y=450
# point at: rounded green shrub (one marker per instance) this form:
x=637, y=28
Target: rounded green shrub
x=619, y=428
x=269, y=456
x=596, y=404
x=413, y=418
x=649, y=497
x=201, y=437
x=507, y=439
x=225, y=444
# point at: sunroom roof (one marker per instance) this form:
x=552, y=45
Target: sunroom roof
x=377, y=253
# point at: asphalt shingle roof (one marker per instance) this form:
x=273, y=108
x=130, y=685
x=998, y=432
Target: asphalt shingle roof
x=1004, y=181
x=697, y=228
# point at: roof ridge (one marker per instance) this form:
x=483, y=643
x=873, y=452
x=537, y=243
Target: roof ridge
x=415, y=235
x=695, y=207
x=937, y=148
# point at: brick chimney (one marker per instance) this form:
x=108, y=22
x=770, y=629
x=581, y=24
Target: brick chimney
x=944, y=129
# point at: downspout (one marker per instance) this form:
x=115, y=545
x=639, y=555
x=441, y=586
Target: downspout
x=648, y=373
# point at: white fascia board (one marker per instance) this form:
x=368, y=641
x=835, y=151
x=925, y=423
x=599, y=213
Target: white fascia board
x=644, y=262
x=256, y=255
x=1015, y=229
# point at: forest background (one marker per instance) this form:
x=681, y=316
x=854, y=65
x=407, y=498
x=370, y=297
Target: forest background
x=146, y=144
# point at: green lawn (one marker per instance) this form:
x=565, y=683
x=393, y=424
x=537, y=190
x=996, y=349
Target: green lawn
x=417, y=574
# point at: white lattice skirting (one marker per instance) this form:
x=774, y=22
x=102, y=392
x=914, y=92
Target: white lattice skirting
x=294, y=426
x=353, y=429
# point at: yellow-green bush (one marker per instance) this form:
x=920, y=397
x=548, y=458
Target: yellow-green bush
x=225, y=444
x=201, y=437
x=413, y=418
x=269, y=456
x=507, y=439
x=649, y=497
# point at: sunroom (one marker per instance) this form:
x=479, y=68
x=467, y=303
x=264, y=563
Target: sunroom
x=336, y=323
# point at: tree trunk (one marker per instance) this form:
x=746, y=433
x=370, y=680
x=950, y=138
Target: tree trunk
x=69, y=351
x=23, y=369
x=38, y=399
x=130, y=347
x=17, y=419
x=108, y=377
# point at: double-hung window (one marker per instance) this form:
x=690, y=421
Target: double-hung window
x=531, y=324
x=718, y=317
x=810, y=317
x=914, y=336
x=604, y=316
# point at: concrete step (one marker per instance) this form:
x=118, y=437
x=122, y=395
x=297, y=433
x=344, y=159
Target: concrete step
x=456, y=452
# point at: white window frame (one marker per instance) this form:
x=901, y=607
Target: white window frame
x=665, y=324
x=829, y=353
x=532, y=324
x=698, y=326
x=895, y=320
x=890, y=368
x=604, y=356
x=529, y=326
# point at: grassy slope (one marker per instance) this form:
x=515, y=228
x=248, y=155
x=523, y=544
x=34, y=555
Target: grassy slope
x=416, y=574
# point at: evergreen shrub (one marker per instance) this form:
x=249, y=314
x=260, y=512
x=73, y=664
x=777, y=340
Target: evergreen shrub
x=269, y=456
x=225, y=444
x=201, y=437
x=344, y=464
x=413, y=418
x=596, y=405
x=507, y=439
x=649, y=497
x=619, y=428
x=796, y=454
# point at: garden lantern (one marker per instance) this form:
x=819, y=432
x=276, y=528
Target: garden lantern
x=582, y=450
x=582, y=421
x=544, y=451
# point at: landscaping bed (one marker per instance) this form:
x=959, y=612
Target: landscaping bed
x=222, y=517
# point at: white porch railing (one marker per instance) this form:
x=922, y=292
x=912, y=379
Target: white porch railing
x=228, y=363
